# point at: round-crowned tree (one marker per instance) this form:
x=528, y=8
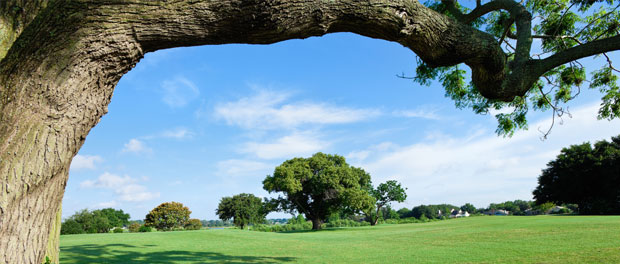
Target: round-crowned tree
x=319, y=186
x=168, y=216
x=384, y=194
x=243, y=208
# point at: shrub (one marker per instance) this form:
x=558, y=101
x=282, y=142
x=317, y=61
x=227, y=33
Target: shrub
x=168, y=216
x=134, y=227
x=117, y=230
x=144, y=228
x=193, y=224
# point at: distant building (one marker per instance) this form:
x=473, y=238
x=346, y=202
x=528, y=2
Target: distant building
x=497, y=212
x=556, y=209
x=458, y=213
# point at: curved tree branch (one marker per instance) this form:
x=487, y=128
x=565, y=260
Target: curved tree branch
x=541, y=66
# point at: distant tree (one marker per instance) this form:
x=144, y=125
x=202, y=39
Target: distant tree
x=134, y=227
x=404, y=212
x=432, y=211
x=167, y=216
x=299, y=219
x=388, y=213
x=470, y=208
x=97, y=221
x=70, y=226
x=100, y=222
x=116, y=218
x=85, y=219
x=423, y=210
x=319, y=186
x=243, y=208
x=586, y=175
x=193, y=224
x=384, y=194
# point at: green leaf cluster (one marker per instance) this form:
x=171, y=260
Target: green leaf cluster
x=168, y=216
x=586, y=175
x=97, y=221
x=559, y=25
x=244, y=209
x=320, y=186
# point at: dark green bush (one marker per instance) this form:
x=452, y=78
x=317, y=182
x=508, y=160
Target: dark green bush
x=117, y=230
x=71, y=226
x=144, y=228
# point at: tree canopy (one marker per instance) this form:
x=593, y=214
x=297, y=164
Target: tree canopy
x=244, y=209
x=96, y=221
x=384, y=194
x=543, y=42
x=586, y=175
x=320, y=186
x=168, y=216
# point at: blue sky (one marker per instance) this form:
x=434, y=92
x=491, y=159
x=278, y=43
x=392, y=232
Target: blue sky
x=195, y=124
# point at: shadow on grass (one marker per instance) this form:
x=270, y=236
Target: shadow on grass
x=124, y=253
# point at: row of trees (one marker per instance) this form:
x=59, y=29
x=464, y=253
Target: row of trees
x=586, y=175
x=97, y=221
x=316, y=187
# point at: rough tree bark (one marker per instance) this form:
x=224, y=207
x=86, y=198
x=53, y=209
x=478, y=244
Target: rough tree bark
x=58, y=76
x=317, y=224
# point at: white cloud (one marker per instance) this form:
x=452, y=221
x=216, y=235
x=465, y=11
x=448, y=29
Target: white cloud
x=294, y=145
x=269, y=110
x=125, y=187
x=358, y=155
x=179, y=92
x=243, y=169
x=480, y=168
x=178, y=133
x=135, y=146
x=107, y=204
x=424, y=113
x=84, y=162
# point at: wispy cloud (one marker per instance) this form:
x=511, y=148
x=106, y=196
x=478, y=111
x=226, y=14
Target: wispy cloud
x=239, y=169
x=294, y=145
x=480, y=167
x=136, y=146
x=423, y=112
x=106, y=204
x=176, y=133
x=80, y=162
x=125, y=187
x=179, y=91
x=270, y=110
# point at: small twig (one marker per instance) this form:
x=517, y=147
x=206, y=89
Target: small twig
x=611, y=66
x=593, y=20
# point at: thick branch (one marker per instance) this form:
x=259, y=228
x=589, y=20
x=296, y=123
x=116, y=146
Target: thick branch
x=575, y=53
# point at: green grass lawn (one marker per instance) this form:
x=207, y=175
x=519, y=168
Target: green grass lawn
x=497, y=239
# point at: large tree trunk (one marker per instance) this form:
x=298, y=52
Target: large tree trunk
x=317, y=224
x=58, y=77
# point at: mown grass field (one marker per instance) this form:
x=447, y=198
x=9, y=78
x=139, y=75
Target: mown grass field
x=511, y=239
